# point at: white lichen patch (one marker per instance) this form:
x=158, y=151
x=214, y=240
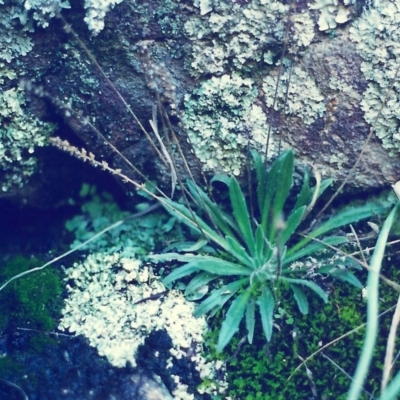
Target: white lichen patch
x=377, y=36
x=222, y=119
x=303, y=100
x=20, y=134
x=232, y=35
x=332, y=12
x=101, y=306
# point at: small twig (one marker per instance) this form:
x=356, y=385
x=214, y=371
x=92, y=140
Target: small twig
x=344, y=372
x=152, y=297
x=334, y=341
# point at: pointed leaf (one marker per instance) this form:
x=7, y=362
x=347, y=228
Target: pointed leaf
x=218, y=297
x=250, y=319
x=194, y=290
x=222, y=220
x=305, y=194
x=193, y=221
x=179, y=273
x=297, y=252
x=218, y=266
x=301, y=298
x=266, y=303
x=232, y=320
x=241, y=214
x=283, y=185
x=239, y=252
x=291, y=224
x=313, y=286
x=349, y=277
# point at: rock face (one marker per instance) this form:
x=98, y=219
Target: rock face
x=231, y=74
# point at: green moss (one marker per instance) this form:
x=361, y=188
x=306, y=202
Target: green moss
x=32, y=301
x=261, y=371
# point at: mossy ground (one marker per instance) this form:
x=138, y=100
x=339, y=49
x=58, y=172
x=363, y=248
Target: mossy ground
x=32, y=302
x=261, y=371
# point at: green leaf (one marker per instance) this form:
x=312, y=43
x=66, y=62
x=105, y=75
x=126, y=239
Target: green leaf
x=260, y=244
x=230, y=325
x=179, y=273
x=222, y=220
x=349, y=277
x=347, y=217
x=239, y=252
x=194, y=246
x=291, y=225
x=250, y=319
x=266, y=303
x=193, y=221
x=305, y=194
x=218, y=266
x=194, y=290
x=301, y=298
x=218, y=297
x=311, y=285
x=241, y=214
x=296, y=252
x=284, y=177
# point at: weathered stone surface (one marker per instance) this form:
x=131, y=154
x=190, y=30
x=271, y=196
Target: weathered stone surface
x=215, y=68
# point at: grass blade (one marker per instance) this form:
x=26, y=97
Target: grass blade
x=241, y=214
x=372, y=311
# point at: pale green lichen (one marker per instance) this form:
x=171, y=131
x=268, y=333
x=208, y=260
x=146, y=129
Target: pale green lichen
x=222, y=118
x=20, y=134
x=14, y=40
x=377, y=36
x=332, y=12
x=233, y=36
x=96, y=10
x=303, y=100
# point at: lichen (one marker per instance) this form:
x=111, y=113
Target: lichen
x=377, y=38
x=332, y=12
x=232, y=36
x=14, y=40
x=20, y=133
x=303, y=100
x=222, y=118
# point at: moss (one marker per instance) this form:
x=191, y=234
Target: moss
x=32, y=301
x=261, y=371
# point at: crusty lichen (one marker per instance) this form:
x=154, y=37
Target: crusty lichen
x=303, y=100
x=222, y=119
x=332, y=12
x=14, y=40
x=377, y=37
x=234, y=35
x=20, y=134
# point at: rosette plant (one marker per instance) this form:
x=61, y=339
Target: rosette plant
x=245, y=251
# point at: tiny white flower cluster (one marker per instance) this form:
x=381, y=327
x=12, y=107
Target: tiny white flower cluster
x=113, y=302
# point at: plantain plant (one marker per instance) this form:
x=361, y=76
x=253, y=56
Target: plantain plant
x=245, y=255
